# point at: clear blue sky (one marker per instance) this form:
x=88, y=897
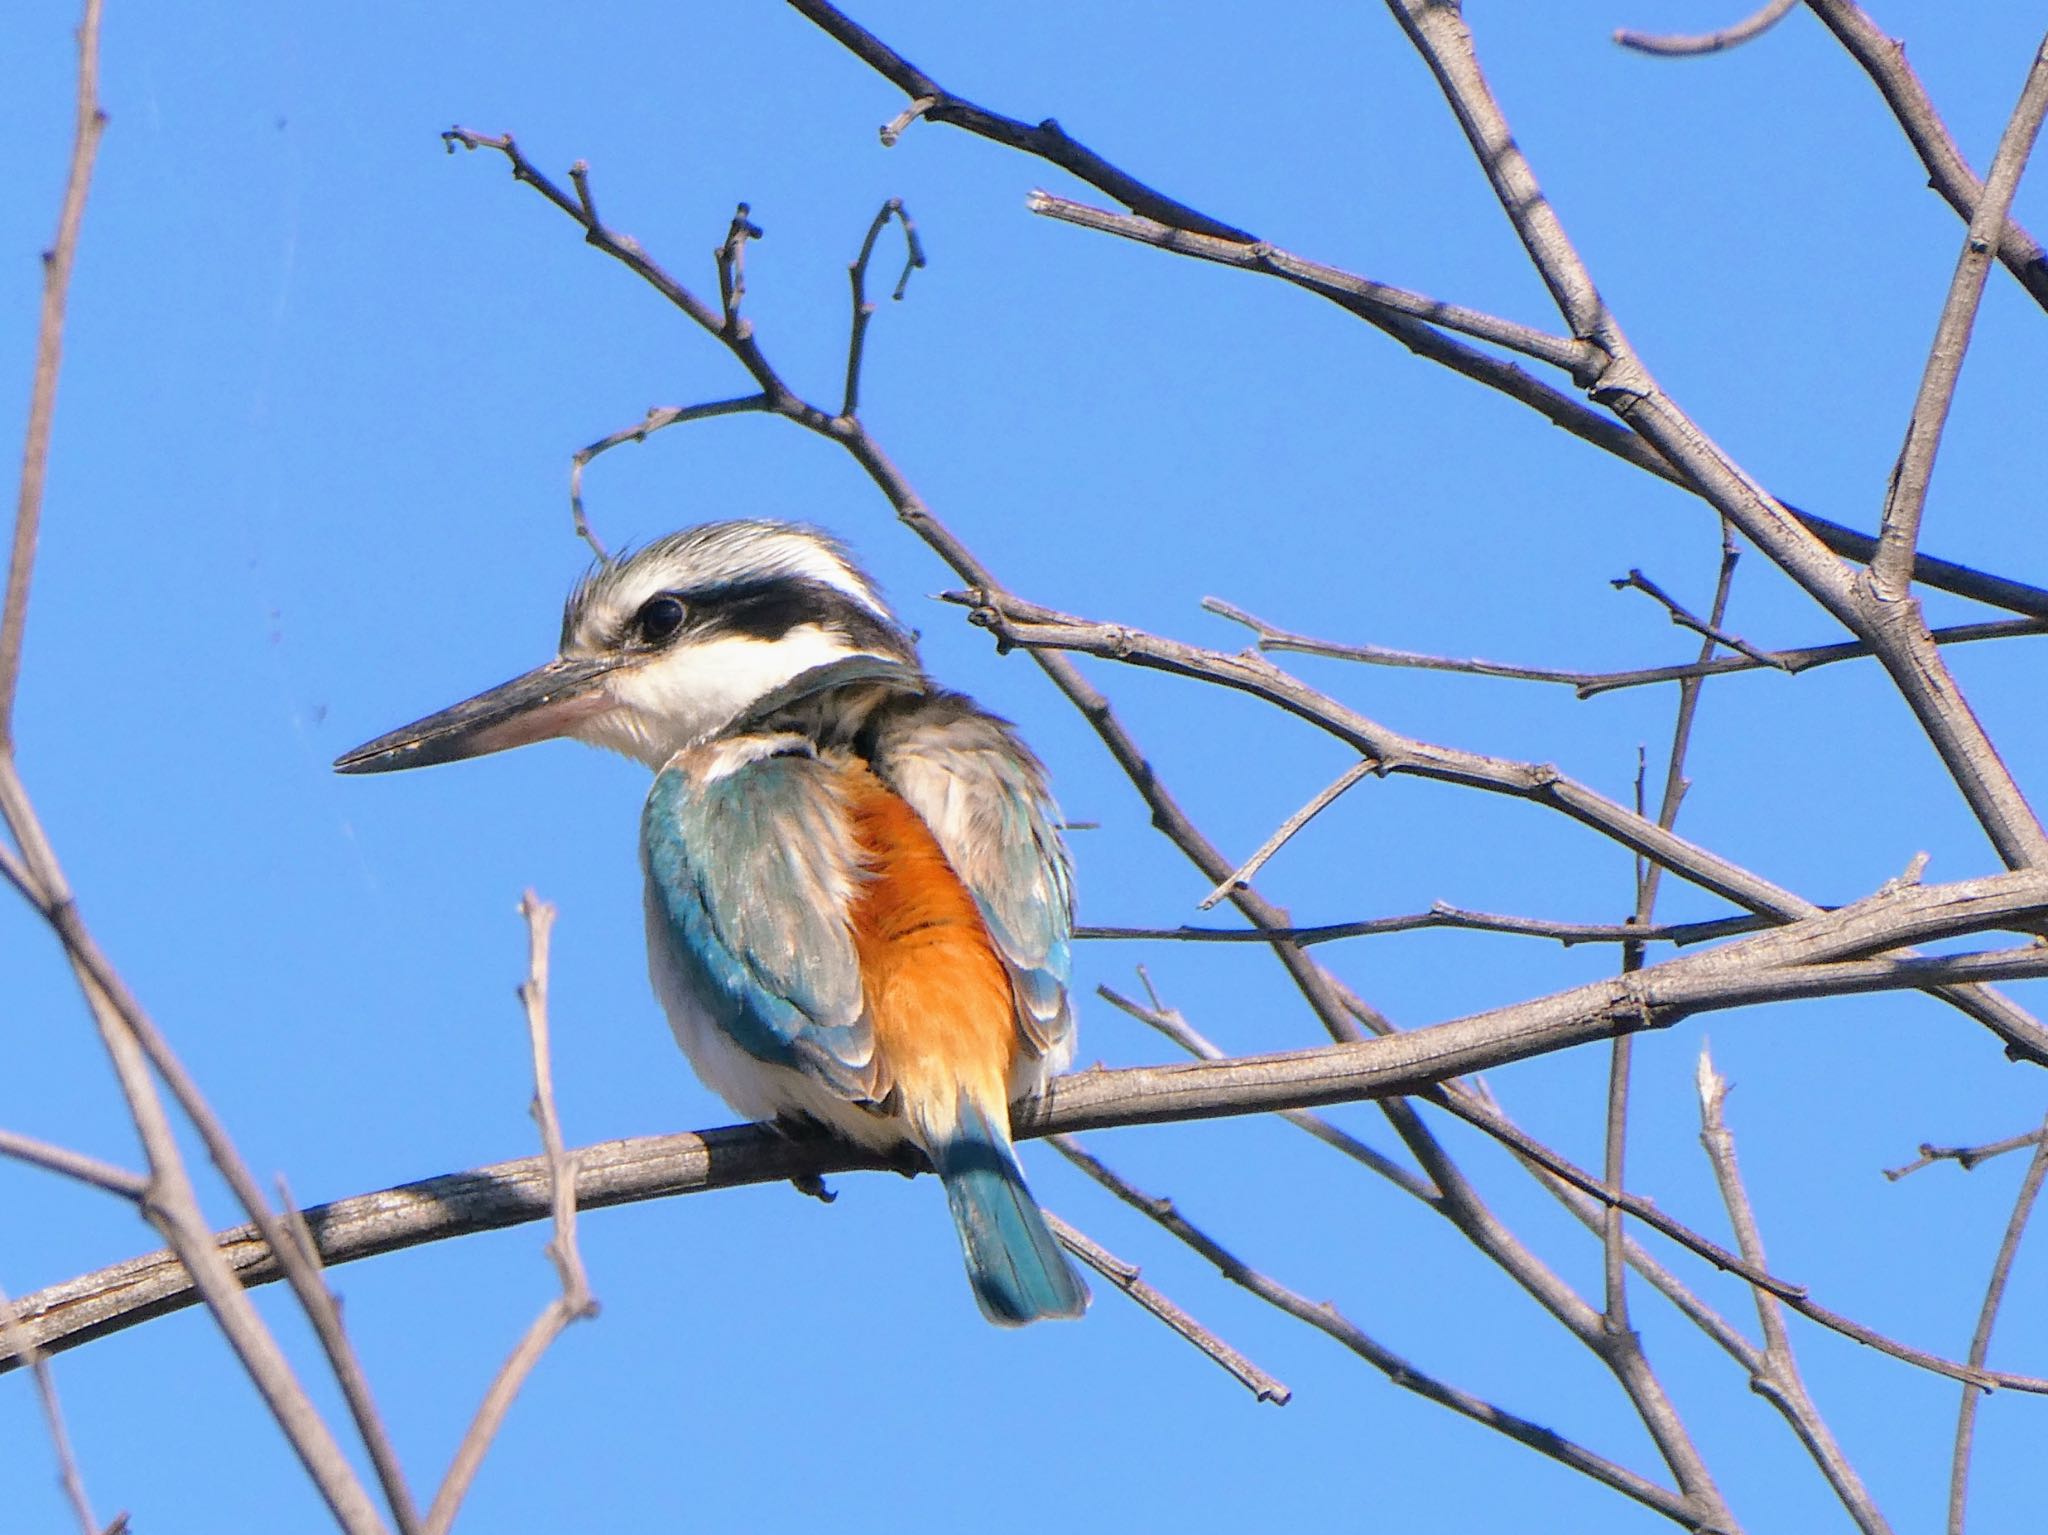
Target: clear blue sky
x=322, y=384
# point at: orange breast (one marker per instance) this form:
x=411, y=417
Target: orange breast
x=938, y=997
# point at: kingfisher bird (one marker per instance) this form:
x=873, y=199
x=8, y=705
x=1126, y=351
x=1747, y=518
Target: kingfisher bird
x=859, y=905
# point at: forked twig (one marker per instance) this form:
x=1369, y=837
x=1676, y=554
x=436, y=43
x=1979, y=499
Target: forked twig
x=1776, y=1375
x=1884, y=60
x=1906, y=499
x=1445, y=916
x=731, y=254
x=1327, y=1319
x=1270, y=636
x=1965, y=1157
x=863, y=311
x=575, y=1302
x=1987, y=1318
x=1709, y=629
x=657, y=419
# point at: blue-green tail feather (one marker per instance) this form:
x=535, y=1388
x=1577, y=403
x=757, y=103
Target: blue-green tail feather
x=1019, y=1271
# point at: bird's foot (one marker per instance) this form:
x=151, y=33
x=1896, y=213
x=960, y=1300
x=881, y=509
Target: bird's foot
x=908, y=1160
x=799, y=1128
x=814, y=1186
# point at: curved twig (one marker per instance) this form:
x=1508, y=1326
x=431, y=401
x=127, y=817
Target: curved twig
x=1687, y=45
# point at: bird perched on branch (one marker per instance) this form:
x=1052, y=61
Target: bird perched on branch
x=858, y=903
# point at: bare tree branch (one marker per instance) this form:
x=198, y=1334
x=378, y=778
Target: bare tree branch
x=1245, y=872
x=1270, y=636
x=1352, y=291
x=1441, y=915
x=1680, y=615
x=170, y=1204
x=1965, y=1157
x=63, y=1160
x=1048, y=141
x=1128, y=1278
x=1026, y=624
x=863, y=311
x=1684, y=45
x=622, y=1171
x=20, y=1346
x=1625, y=385
x=1884, y=60
x=1326, y=1318
x=1987, y=1318
x=1156, y=219
x=1906, y=499
x=575, y=1302
x=1776, y=1376
x=42, y=403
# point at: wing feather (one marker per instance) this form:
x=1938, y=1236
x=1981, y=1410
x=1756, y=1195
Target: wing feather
x=751, y=866
x=984, y=796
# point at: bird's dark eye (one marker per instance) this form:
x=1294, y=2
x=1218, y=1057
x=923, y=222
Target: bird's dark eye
x=658, y=618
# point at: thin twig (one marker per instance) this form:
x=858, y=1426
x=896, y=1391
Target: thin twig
x=1648, y=876
x=1171, y=1023
x=1906, y=499
x=1686, y=45
x=22, y=1346
x=1270, y=636
x=659, y=417
x=1128, y=1278
x=1016, y=622
x=575, y=1302
x=1965, y=1157
x=171, y=1204
x=63, y=1160
x=731, y=256
x=1776, y=1377
x=1327, y=1319
x=1245, y=872
x=1587, y=1198
x=863, y=311
x=1441, y=915
x=1683, y=617
x=1987, y=1318
x=2019, y=1031
x=897, y=126
x=42, y=402
x=1348, y=288
x=1047, y=140
x=1884, y=60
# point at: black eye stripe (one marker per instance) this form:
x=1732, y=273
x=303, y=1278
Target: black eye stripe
x=766, y=608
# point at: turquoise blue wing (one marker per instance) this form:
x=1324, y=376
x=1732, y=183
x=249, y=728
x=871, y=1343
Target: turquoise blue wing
x=984, y=796
x=750, y=866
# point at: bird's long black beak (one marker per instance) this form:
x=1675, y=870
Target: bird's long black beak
x=548, y=701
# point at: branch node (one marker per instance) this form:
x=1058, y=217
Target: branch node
x=898, y=125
